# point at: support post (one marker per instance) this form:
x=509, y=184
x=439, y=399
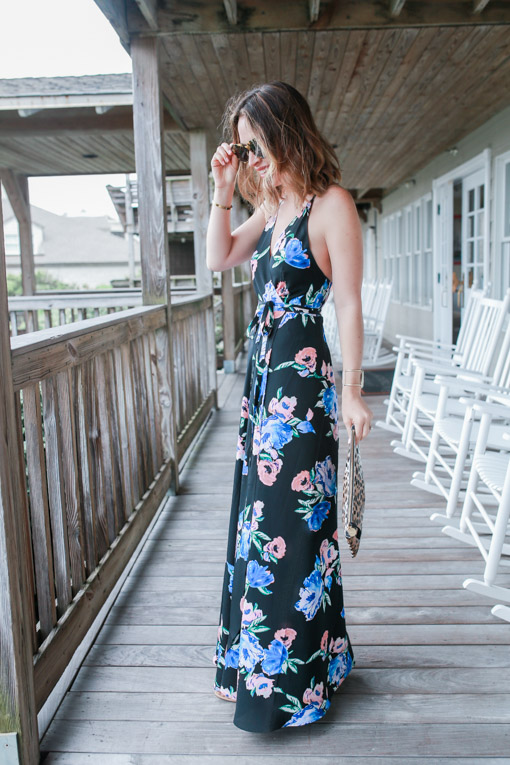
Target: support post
x=152, y=223
x=16, y=186
x=204, y=276
x=19, y=739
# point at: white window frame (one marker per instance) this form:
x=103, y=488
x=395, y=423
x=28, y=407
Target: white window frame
x=500, y=275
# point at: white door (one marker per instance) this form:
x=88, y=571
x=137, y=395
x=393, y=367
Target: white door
x=474, y=255
x=443, y=260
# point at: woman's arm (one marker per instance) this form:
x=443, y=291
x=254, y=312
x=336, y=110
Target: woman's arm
x=226, y=249
x=345, y=246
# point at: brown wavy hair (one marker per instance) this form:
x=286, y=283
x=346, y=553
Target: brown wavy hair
x=283, y=125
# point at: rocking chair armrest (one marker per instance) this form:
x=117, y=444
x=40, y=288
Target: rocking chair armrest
x=445, y=369
x=422, y=341
x=484, y=407
x=459, y=383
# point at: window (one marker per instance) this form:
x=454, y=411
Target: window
x=407, y=252
x=501, y=273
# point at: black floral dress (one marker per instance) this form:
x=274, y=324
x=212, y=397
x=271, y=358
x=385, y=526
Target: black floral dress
x=282, y=647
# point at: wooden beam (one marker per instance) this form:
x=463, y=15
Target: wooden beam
x=87, y=122
x=16, y=186
x=152, y=224
x=18, y=712
x=267, y=15
x=396, y=6
x=231, y=11
x=314, y=7
x=200, y=190
x=149, y=10
x=115, y=12
x=479, y=5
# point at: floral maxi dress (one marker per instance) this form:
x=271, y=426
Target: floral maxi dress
x=282, y=646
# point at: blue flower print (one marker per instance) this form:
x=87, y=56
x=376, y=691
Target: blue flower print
x=339, y=667
x=325, y=477
x=258, y=576
x=275, y=433
x=305, y=427
x=230, y=568
x=250, y=650
x=329, y=399
x=319, y=513
x=294, y=254
x=232, y=657
x=274, y=657
x=310, y=595
x=308, y=714
x=243, y=547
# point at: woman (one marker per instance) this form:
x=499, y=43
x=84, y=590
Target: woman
x=282, y=647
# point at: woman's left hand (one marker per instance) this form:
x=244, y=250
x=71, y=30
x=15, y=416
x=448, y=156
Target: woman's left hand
x=356, y=412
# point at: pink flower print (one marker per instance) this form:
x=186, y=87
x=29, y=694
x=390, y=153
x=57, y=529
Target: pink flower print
x=275, y=547
x=335, y=535
x=309, y=415
x=283, y=408
x=281, y=289
x=334, y=431
x=240, y=454
x=307, y=357
x=257, y=508
x=285, y=636
x=253, y=264
x=249, y=613
x=327, y=553
x=302, y=481
x=263, y=685
x=328, y=372
x=270, y=222
x=314, y=696
x=268, y=471
x=324, y=642
x=268, y=356
x=245, y=408
x=337, y=646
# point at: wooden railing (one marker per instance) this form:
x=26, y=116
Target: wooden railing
x=96, y=454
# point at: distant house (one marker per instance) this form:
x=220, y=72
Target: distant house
x=86, y=251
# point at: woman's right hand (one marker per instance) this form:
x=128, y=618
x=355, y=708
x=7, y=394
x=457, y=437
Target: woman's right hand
x=224, y=166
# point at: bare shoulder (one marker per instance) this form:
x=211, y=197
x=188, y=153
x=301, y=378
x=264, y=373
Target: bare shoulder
x=335, y=201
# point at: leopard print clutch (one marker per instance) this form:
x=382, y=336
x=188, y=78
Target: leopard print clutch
x=353, y=499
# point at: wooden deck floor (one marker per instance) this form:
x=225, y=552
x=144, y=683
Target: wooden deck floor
x=432, y=676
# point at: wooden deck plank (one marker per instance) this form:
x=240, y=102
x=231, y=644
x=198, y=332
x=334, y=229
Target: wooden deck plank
x=432, y=663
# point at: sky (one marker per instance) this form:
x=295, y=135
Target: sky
x=51, y=38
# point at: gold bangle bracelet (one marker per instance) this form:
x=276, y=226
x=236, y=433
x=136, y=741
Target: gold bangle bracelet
x=223, y=207
x=362, y=378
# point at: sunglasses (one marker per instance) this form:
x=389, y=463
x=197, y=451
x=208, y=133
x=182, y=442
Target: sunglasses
x=242, y=150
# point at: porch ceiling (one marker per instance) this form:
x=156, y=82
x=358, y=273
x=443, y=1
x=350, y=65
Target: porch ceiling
x=392, y=83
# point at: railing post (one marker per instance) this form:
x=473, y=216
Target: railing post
x=19, y=736
x=152, y=224
x=204, y=276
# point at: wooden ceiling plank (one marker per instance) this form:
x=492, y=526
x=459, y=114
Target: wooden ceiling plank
x=187, y=102
x=354, y=43
x=488, y=99
x=332, y=71
x=393, y=68
x=288, y=56
x=271, y=43
x=303, y=64
x=202, y=80
x=423, y=79
x=368, y=66
x=241, y=62
x=255, y=53
x=221, y=45
x=451, y=87
x=320, y=54
x=223, y=89
x=231, y=11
